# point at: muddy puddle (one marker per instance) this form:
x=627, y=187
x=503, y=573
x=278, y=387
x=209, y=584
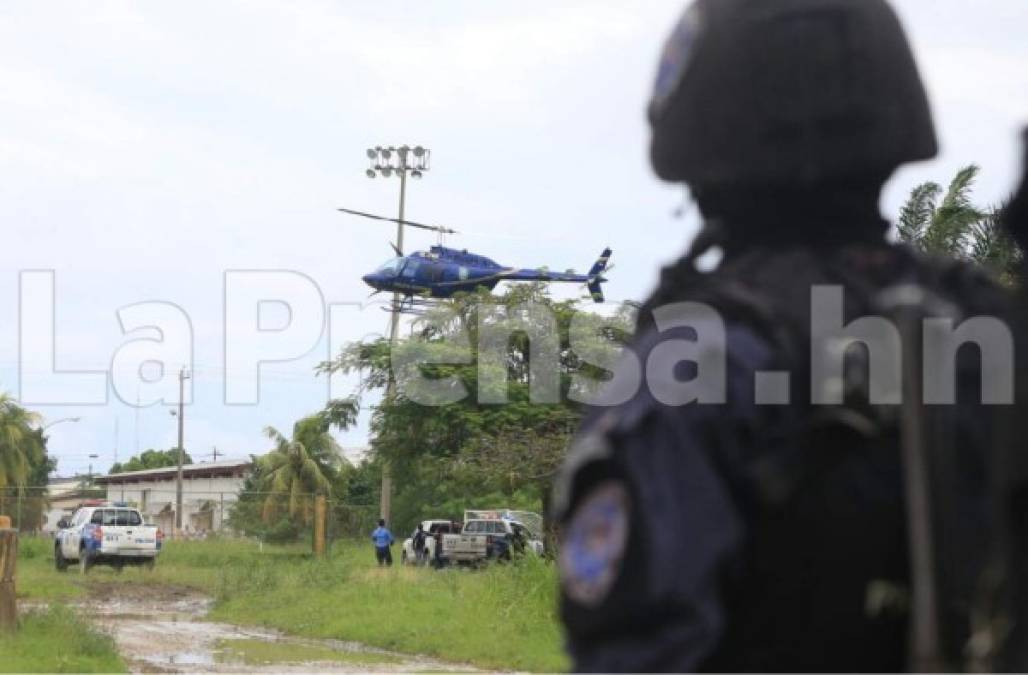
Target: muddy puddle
x=162, y=629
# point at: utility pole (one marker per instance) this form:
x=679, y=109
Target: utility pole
x=182, y=377
x=136, y=426
x=92, y=456
x=399, y=161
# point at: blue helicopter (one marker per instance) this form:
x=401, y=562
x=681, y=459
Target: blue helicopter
x=440, y=272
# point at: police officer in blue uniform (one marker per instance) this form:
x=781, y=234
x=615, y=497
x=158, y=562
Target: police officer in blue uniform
x=749, y=528
x=383, y=540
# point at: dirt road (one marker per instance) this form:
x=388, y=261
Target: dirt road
x=162, y=629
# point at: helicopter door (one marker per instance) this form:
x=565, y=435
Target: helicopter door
x=432, y=273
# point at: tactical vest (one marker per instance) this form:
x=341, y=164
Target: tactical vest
x=825, y=577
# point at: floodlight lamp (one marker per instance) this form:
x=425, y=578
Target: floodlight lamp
x=370, y=173
x=386, y=154
x=419, y=151
x=415, y=174
x=372, y=154
x=386, y=171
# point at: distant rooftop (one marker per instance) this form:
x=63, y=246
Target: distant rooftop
x=66, y=479
x=225, y=468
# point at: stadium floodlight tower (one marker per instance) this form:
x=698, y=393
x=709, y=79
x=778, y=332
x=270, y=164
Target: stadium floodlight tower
x=400, y=162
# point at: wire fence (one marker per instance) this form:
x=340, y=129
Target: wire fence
x=205, y=512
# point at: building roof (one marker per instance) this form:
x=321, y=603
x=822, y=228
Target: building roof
x=73, y=496
x=223, y=469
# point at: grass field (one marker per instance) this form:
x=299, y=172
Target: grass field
x=55, y=640
x=501, y=617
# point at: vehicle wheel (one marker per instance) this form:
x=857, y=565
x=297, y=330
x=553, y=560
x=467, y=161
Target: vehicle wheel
x=84, y=561
x=59, y=562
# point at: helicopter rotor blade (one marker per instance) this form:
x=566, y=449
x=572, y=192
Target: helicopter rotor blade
x=434, y=228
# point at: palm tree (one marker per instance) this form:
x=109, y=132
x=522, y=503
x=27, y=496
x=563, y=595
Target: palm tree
x=300, y=466
x=20, y=445
x=955, y=227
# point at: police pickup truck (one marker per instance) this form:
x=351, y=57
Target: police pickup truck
x=107, y=534
x=493, y=534
x=434, y=531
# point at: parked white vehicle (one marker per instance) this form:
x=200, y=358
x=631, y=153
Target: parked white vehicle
x=432, y=528
x=494, y=534
x=109, y=534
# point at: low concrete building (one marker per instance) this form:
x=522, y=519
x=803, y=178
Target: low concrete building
x=208, y=490
x=63, y=496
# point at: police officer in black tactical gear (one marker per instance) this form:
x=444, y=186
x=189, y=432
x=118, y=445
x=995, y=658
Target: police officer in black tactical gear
x=762, y=523
x=1008, y=599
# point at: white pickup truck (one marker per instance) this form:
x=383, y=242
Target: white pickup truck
x=110, y=534
x=434, y=530
x=493, y=534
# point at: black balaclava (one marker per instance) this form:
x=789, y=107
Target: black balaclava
x=820, y=216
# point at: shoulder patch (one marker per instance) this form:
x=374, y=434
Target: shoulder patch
x=594, y=544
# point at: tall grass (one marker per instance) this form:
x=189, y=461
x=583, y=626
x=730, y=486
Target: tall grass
x=56, y=640
x=502, y=616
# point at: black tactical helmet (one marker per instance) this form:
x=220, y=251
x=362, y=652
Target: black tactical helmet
x=787, y=92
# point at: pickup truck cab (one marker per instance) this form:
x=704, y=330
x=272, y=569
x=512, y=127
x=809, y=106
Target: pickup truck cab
x=110, y=534
x=434, y=529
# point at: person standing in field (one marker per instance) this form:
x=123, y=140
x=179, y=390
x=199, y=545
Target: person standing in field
x=383, y=539
x=419, y=544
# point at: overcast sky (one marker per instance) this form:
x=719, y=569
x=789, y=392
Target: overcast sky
x=146, y=148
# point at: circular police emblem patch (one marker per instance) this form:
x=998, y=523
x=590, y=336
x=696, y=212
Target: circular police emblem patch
x=594, y=544
x=675, y=57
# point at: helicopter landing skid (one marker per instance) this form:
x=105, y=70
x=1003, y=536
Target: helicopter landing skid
x=410, y=304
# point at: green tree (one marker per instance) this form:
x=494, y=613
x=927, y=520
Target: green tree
x=466, y=453
x=35, y=501
x=151, y=459
x=275, y=501
x=299, y=467
x=21, y=445
x=948, y=223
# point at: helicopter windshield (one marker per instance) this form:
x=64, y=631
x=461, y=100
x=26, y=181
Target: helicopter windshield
x=390, y=268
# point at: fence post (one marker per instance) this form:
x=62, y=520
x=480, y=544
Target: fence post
x=319, y=526
x=8, y=562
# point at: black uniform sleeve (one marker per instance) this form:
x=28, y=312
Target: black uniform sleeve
x=650, y=530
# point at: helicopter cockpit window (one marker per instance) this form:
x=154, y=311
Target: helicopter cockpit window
x=391, y=267
x=410, y=269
